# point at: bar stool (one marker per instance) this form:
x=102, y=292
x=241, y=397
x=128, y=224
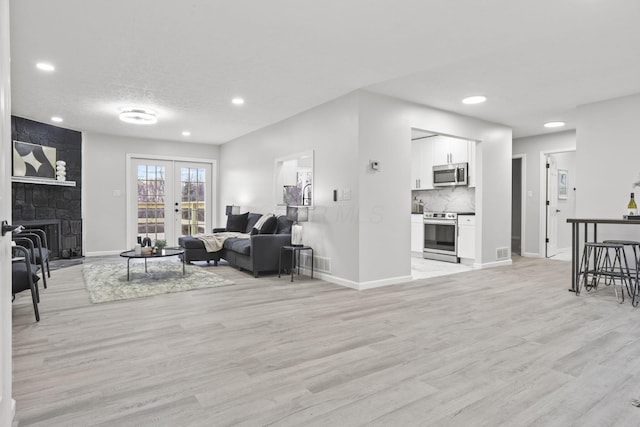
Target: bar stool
x=608, y=261
x=635, y=246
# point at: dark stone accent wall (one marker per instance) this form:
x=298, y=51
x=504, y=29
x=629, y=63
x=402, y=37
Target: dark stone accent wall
x=37, y=202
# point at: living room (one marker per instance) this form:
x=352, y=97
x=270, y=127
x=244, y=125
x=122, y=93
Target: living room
x=347, y=125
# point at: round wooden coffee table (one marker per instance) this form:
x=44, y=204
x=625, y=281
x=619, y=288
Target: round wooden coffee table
x=161, y=253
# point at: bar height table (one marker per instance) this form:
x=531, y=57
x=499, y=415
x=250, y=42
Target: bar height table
x=575, y=241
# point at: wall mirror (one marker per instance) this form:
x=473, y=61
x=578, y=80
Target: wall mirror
x=294, y=180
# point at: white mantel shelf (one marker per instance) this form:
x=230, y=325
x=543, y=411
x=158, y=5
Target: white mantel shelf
x=45, y=181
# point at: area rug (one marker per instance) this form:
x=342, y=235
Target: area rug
x=108, y=282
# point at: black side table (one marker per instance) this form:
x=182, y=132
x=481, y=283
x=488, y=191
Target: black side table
x=295, y=261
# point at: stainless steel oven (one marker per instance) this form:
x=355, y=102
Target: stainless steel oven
x=441, y=236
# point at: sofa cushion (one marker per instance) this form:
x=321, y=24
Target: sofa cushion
x=252, y=219
x=269, y=226
x=283, y=225
x=237, y=222
x=240, y=246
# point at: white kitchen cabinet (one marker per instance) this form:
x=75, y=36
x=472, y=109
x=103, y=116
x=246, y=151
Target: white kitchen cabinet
x=446, y=150
x=415, y=165
x=421, y=165
x=417, y=231
x=467, y=236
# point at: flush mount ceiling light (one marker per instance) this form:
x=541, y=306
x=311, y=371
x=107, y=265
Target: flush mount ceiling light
x=554, y=124
x=238, y=101
x=475, y=99
x=186, y=133
x=45, y=66
x=56, y=119
x=138, y=116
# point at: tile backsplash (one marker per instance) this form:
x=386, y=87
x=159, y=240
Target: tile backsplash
x=450, y=199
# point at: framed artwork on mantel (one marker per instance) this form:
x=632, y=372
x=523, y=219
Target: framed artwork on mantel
x=34, y=160
x=563, y=176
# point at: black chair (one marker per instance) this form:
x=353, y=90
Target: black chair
x=23, y=277
x=41, y=253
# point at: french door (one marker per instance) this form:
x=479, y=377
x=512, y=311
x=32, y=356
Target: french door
x=169, y=199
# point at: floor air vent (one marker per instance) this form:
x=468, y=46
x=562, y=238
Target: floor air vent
x=319, y=263
x=502, y=253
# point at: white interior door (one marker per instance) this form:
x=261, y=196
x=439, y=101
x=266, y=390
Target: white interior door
x=169, y=199
x=552, y=207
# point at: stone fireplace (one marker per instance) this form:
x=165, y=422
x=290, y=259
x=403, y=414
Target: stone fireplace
x=53, y=207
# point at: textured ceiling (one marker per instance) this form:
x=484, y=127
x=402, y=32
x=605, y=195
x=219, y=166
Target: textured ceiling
x=535, y=61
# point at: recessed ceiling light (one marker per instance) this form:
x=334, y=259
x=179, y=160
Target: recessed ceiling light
x=56, y=119
x=186, y=133
x=45, y=66
x=238, y=101
x=475, y=99
x=554, y=124
x=138, y=116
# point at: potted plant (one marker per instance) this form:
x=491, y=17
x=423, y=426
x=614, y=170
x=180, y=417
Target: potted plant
x=161, y=244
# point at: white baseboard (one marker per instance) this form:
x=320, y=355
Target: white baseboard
x=532, y=255
x=493, y=264
x=361, y=286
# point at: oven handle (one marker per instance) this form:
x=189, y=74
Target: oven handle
x=441, y=221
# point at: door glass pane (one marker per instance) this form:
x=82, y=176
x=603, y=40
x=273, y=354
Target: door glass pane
x=151, y=187
x=192, y=205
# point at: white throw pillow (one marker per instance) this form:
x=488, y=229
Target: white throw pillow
x=262, y=220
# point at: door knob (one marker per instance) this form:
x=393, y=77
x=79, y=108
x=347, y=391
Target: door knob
x=8, y=228
x=557, y=210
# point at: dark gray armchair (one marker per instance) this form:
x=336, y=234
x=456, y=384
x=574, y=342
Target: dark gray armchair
x=23, y=276
x=39, y=252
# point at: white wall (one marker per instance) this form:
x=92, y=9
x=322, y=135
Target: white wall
x=367, y=237
x=385, y=195
x=6, y=404
x=608, y=161
x=247, y=176
x=385, y=135
x=534, y=148
x=104, y=170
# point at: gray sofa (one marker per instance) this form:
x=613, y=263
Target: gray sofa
x=260, y=253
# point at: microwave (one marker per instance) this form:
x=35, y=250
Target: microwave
x=451, y=174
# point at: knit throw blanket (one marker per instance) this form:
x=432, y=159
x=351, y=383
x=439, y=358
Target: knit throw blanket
x=214, y=242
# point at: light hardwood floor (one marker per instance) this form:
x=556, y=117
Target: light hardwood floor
x=503, y=346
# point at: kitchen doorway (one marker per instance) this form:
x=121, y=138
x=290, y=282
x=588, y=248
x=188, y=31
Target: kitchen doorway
x=429, y=149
